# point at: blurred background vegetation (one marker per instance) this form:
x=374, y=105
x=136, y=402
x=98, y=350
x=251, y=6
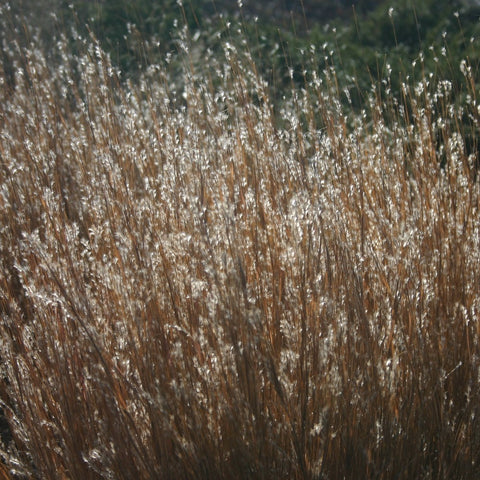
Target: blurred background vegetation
x=365, y=40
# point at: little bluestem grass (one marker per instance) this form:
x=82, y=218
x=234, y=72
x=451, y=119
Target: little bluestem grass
x=197, y=283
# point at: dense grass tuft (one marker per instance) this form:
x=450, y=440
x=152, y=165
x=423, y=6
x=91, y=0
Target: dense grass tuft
x=194, y=284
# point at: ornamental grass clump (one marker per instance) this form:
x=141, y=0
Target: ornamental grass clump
x=196, y=282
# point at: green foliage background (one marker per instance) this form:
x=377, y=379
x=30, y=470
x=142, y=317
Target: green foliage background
x=362, y=39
